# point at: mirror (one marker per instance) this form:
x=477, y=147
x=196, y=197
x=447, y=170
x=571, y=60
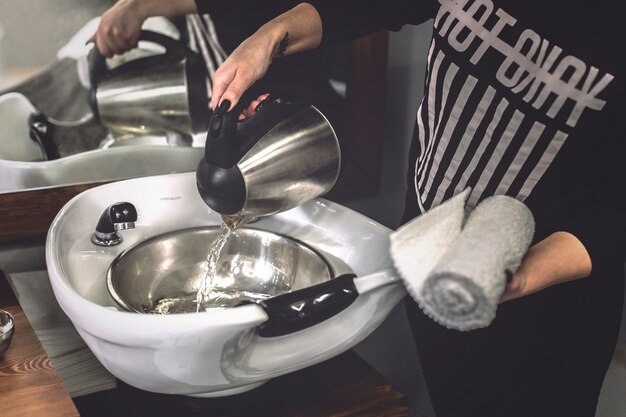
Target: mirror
x=49, y=135
x=43, y=80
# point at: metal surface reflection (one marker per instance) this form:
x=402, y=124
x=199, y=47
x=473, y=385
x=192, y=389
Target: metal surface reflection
x=254, y=265
x=7, y=328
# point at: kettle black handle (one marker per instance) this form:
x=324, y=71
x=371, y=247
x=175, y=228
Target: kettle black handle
x=304, y=308
x=228, y=140
x=97, y=67
x=172, y=46
x=41, y=131
x=222, y=147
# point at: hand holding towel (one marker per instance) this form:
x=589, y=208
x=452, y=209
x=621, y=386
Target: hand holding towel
x=464, y=285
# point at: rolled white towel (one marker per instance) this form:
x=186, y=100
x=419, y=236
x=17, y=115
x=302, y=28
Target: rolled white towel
x=464, y=288
x=417, y=246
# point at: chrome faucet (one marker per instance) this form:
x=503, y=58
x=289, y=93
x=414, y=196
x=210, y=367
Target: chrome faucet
x=119, y=216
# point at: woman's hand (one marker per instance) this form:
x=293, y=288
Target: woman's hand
x=559, y=258
x=515, y=287
x=120, y=26
x=252, y=107
x=297, y=30
x=246, y=65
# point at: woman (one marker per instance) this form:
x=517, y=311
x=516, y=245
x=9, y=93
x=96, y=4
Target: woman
x=524, y=99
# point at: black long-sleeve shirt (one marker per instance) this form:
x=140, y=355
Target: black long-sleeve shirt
x=522, y=98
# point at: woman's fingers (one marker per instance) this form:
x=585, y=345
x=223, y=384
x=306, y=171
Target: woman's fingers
x=515, y=286
x=119, y=29
x=252, y=107
x=232, y=80
x=246, y=65
x=115, y=42
x=229, y=83
x=127, y=38
x=103, y=46
x=120, y=39
x=221, y=80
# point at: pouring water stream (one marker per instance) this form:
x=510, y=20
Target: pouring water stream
x=206, y=296
x=206, y=289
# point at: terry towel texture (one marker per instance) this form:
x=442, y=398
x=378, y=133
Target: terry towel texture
x=463, y=266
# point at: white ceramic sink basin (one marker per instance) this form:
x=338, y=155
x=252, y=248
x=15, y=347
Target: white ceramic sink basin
x=23, y=167
x=211, y=353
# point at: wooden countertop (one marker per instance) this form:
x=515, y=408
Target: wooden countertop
x=29, y=384
x=345, y=386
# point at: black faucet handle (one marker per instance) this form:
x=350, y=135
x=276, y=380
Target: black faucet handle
x=123, y=216
x=118, y=216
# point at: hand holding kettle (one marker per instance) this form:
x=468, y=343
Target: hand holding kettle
x=297, y=30
x=280, y=157
x=161, y=92
x=120, y=25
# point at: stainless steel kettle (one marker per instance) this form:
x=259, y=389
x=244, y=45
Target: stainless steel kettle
x=159, y=92
x=282, y=156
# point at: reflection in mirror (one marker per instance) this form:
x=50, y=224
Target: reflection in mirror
x=50, y=138
x=54, y=138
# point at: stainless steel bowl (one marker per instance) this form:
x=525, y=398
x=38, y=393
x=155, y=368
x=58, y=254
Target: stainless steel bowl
x=163, y=274
x=7, y=328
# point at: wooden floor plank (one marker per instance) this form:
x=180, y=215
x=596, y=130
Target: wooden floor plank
x=29, y=384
